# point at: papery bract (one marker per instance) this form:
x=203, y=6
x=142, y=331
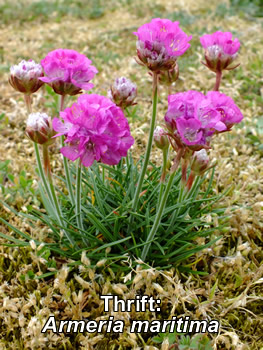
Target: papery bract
x=220, y=50
x=24, y=76
x=68, y=72
x=169, y=76
x=159, y=44
x=39, y=128
x=200, y=162
x=160, y=138
x=95, y=129
x=123, y=92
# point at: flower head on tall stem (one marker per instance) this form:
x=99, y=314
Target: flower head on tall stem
x=68, y=72
x=159, y=44
x=220, y=50
x=220, y=53
x=123, y=92
x=95, y=129
x=24, y=77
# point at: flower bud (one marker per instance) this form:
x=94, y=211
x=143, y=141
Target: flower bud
x=160, y=138
x=200, y=162
x=39, y=128
x=24, y=77
x=123, y=92
x=170, y=76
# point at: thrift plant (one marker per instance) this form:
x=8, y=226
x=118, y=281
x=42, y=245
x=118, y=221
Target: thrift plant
x=107, y=205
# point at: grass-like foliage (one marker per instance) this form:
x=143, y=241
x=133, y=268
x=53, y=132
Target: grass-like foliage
x=107, y=194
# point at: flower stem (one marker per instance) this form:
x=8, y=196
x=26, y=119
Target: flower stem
x=53, y=197
x=149, y=145
x=41, y=172
x=62, y=102
x=190, y=181
x=218, y=80
x=78, y=197
x=46, y=161
x=65, y=161
x=161, y=208
x=28, y=101
x=163, y=176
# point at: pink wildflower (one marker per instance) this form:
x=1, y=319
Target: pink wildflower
x=182, y=104
x=24, y=76
x=68, y=72
x=220, y=50
x=230, y=113
x=159, y=44
x=95, y=129
x=193, y=118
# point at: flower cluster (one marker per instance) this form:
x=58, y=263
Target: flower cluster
x=68, y=71
x=95, y=129
x=123, y=92
x=220, y=50
x=24, y=76
x=192, y=118
x=159, y=44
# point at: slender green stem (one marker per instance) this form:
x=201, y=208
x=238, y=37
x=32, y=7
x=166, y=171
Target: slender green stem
x=149, y=145
x=164, y=169
x=54, y=199
x=46, y=161
x=41, y=172
x=68, y=176
x=218, y=80
x=78, y=197
x=161, y=208
x=65, y=161
x=176, y=212
x=194, y=187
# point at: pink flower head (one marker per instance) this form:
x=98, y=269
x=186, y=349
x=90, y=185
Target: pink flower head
x=229, y=112
x=182, y=104
x=68, y=72
x=95, y=129
x=220, y=50
x=190, y=130
x=24, y=76
x=193, y=118
x=159, y=44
